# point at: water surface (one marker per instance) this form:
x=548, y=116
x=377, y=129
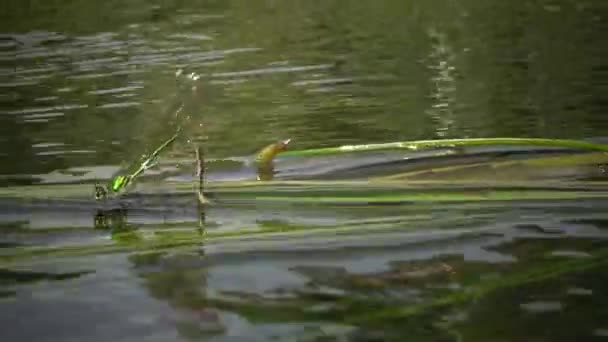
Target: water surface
x=475, y=245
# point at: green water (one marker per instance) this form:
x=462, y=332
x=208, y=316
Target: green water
x=500, y=243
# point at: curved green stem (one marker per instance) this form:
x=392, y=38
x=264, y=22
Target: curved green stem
x=415, y=145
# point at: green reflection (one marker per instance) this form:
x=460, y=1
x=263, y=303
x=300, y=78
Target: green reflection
x=324, y=74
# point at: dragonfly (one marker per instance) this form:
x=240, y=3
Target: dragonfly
x=120, y=183
x=264, y=161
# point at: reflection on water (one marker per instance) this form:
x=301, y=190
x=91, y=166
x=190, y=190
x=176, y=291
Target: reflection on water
x=442, y=111
x=430, y=260
x=426, y=270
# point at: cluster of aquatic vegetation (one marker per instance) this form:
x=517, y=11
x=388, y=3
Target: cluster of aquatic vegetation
x=425, y=298
x=445, y=295
x=415, y=298
x=435, y=203
x=434, y=171
x=385, y=173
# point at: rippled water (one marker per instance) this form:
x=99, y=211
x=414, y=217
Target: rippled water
x=467, y=245
x=93, y=84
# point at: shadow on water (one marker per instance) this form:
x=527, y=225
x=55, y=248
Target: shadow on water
x=11, y=277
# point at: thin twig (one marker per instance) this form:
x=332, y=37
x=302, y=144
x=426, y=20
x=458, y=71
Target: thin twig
x=200, y=173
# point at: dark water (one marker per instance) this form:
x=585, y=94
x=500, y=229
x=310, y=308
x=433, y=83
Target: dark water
x=85, y=83
x=87, y=87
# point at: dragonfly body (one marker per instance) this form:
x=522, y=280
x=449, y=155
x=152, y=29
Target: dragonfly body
x=121, y=183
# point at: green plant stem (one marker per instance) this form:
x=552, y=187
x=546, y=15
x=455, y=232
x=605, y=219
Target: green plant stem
x=415, y=145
